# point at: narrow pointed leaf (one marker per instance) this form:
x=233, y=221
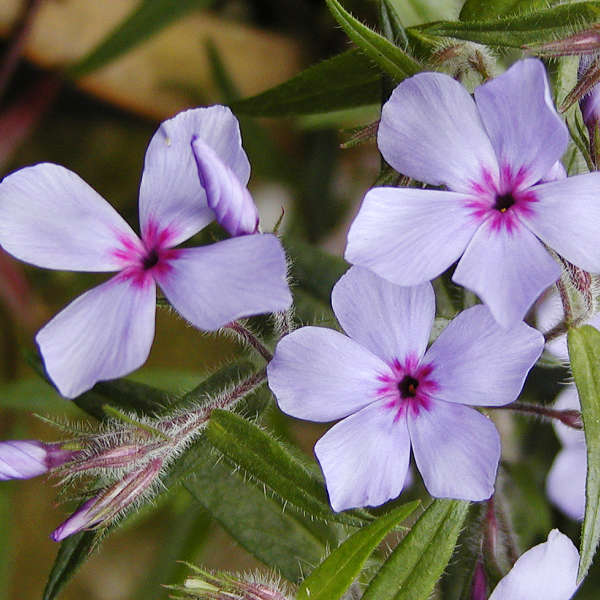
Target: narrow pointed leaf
x=485, y=10
x=336, y=573
x=149, y=18
x=412, y=570
x=521, y=30
x=280, y=539
x=391, y=59
x=72, y=553
x=584, y=353
x=347, y=80
x=270, y=463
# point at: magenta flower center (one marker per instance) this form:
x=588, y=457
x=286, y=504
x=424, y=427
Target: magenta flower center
x=504, y=202
x=408, y=388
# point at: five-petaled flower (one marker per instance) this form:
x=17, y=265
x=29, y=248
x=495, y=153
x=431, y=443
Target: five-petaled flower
x=392, y=393
x=52, y=218
x=506, y=192
x=548, y=571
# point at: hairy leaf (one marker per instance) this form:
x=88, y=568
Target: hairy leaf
x=520, y=30
x=336, y=573
x=344, y=81
x=147, y=19
x=391, y=59
x=271, y=464
x=412, y=570
x=486, y=10
x=584, y=352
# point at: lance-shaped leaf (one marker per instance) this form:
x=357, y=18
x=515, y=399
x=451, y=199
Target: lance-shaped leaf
x=280, y=539
x=521, y=30
x=336, y=573
x=72, y=553
x=411, y=571
x=391, y=59
x=485, y=10
x=270, y=463
x=584, y=353
x=147, y=19
x=347, y=80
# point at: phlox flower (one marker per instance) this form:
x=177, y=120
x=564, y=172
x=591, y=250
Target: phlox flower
x=548, y=571
x=51, y=218
x=392, y=393
x=565, y=484
x=23, y=459
x=506, y=193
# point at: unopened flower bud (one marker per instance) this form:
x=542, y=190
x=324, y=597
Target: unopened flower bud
x=582, y=42
x=22, y=459
x=110, y=502
x=589, y=103
x=114, y=457
x=479, y=584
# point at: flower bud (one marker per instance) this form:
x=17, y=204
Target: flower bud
x=590, y=100
x=110, y=502
x=120, y=456
x=582, y=42
x=479, y=584
x=22, y=459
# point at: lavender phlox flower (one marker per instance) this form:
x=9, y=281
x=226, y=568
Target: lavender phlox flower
x=565, y=484
x=392, y=393
x=52, y=218
x=548, y=571
x=494, y=155
x=111, y=502
x=22, y=459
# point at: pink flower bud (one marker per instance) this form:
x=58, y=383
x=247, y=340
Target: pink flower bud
x=479, y=585
x=22, y=459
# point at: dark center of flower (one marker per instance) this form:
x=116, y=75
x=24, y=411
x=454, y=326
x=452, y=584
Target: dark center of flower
x=504, y=202
x=150, y=260
x=408, y=387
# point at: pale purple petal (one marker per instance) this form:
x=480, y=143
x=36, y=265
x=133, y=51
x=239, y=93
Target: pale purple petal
x=226, y=195
x=84, y=517
x=364, y=458
x=507, y=269
x=213, y=285
x=547, y=571
x=170, y=191
x=477, y=362
x=391, y=321
x=22, y=459
x=105, y=333
x=51, y=218
x=568, y=399
x=409, y=236
x=565, y=484
x=519, y=116
x=556, y=172
x=548, y=313
x=431, y=130
x=321, y=375
x=456, y=449
x=566, y=217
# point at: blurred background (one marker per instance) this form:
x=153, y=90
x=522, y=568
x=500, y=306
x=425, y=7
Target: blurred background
x=85, y=84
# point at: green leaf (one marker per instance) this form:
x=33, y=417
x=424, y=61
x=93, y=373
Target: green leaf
x=336, y=573
x=391, y=59
x=344, y=81
x=149, y=18
x=72, y=553
x=584, y=353
x=486, y=10
x=260, y=455
x=517, y=31
x=280, y=539
x=412, y=570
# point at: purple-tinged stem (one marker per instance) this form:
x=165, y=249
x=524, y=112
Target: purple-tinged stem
x=569, y=417
x=17, y=41
x=247, y=336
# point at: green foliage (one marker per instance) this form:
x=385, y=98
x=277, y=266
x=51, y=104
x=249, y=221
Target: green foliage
x=543, y=25
x=284, y=540
x=336, y=573
x=272, y=465
x=72, y=553
x=146, y=20
x=584, y=352
x=412, y=570
x=391, y=59
x=344, y=81
x=486, y=10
